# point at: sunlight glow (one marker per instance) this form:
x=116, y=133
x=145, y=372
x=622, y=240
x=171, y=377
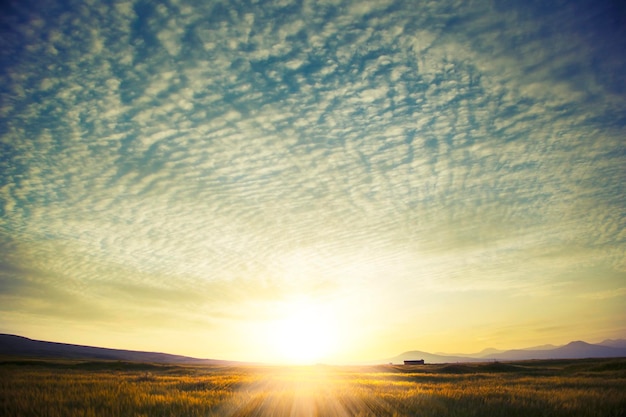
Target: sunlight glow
x=305, y=334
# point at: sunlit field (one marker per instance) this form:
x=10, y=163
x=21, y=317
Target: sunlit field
x=532, y=388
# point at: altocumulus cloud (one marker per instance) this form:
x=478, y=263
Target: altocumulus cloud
x=206, y=154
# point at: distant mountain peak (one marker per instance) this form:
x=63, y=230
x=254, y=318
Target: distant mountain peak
x=484, y=352
x=578, y=343
x=616, y=343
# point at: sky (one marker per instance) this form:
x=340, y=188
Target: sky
x=332, y=180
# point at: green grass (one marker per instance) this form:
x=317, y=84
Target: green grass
x=49, y=388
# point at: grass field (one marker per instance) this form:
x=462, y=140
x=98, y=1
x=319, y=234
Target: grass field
x=46, y=388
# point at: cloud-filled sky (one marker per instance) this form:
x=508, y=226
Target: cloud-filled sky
x=185, y=176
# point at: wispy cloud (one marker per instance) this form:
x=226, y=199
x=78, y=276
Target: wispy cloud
x=195, y=148
x=604, y=295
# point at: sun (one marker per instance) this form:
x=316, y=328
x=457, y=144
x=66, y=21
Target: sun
x=305, y=334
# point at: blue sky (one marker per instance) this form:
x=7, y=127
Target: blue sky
x=181, y=176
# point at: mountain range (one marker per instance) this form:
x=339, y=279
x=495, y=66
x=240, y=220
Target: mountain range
x=13, y=345
x=573, y=350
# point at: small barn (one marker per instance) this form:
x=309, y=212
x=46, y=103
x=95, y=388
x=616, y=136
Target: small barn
x=414, y=362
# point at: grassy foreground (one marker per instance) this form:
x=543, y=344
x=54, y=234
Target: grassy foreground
x=532, y=388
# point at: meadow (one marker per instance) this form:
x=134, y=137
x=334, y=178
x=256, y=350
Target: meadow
x=56, y=388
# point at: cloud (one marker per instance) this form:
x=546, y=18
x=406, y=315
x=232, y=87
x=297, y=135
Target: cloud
x=192, y=149
x=604, y=295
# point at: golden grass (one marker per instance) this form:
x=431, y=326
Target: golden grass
x=542, y=388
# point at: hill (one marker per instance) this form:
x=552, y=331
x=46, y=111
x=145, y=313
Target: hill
x=22, y=346
x=572, y=350
x=430, y=358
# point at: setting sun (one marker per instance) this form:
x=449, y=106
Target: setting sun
x=307, y=333
x=334, y=182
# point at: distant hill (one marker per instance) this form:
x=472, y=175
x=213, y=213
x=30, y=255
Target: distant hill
x=484, y=352
x=542, y=347
x=572, y=350
x=430, y=358
x=22, y=346
x=619, y=343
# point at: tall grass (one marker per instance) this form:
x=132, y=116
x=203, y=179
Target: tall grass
x=56, y=389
